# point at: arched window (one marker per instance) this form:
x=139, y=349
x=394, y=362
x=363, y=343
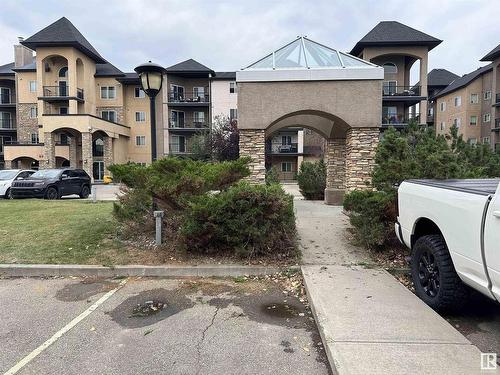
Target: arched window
x=98, y=147
x=390, y=68
x=63, y=72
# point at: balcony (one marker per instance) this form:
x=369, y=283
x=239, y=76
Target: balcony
x=407, y=94
x=399, y=120
x=188, y=126
x=497, y=125
x=59, y=93
x=7, y=124
x=497, y=100
x=281, y=149
x=176, y=99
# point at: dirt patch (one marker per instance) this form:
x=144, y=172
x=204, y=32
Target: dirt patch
x=84, y=289
x=130, y=313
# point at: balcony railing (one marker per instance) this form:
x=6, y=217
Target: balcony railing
x=61, y=91
x=401, y=90
x=188, y=98
x=7, y=124
x=7, y=99
x=400, y=119
x=188, y=125
x=278, y=148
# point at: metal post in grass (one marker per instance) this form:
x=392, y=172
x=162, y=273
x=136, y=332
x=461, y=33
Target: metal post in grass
x=158, y=215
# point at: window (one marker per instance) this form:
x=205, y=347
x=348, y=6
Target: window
x=140, y=116
x=389, y=115
x=140, y=140
x=33, y=112
x=474, y=98
x=34, y=138
x=472, y=141
x=389, y=87
x=139, y=93
x=443, y=126
x=286, y=166
x=233, y=114
x=176, y=93
x=108, y=92
x=286, y=140
x=63, y=110
x=232, y=87
x=456, y=122
x=473, y=120
x=32, y=86
x=487, y=95
x=177, y=119
x=486, y=140
x=178, y=143
x=390, y=68
x=5, y=120
x=98, y=147
x=63, y=139
x=442, y=106
x=458, y=101
x=199, y=93
x=109, y=115
x=487, y=117
x=63, y=72
x=198, y=117
x=5, y=97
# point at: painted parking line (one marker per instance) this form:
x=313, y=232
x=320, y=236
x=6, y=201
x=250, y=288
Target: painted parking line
x=23, y=362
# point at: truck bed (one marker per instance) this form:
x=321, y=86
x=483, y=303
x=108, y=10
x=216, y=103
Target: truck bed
x=472, y=186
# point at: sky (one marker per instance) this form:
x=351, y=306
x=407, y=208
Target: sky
x=229, y=35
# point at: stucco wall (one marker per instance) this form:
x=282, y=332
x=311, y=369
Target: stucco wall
x=261, y=103
x=222, y=99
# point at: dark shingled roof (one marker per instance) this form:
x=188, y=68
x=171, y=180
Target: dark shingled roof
x=189, y=66
x=129, y=79
x=63, y=33
x=6, y=70
x=464, y=80
x=393, y=33
x=440, y=77
x=492, y=55
x=225, y=75
x=107, y=70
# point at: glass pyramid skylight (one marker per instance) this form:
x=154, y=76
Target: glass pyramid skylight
x=306, y=54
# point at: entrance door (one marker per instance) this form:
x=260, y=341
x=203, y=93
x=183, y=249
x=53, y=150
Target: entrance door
x=98, y=170
x=63, y=88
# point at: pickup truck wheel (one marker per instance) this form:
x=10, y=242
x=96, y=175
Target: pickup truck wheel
x=434, y=277
x=51, y=193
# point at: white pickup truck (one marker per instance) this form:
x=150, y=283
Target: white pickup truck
x=453, y=230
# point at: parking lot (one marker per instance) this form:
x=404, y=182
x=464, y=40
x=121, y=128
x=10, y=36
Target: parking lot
x=169, y=326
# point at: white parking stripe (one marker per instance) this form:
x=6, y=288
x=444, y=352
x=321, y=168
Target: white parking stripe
x=23, y=362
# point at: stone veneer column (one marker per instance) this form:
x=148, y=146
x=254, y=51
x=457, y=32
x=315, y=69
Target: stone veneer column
x=7, y=164
x=253, y=144
x=108, y=153
x=49, y=151
x=87, y=153
x=361, y=145
x=73, y=161
x=335, y=171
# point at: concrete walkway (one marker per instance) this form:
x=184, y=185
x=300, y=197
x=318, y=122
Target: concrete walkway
x=369, y=322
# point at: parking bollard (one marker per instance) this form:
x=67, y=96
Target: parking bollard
x=158, y=218
x=94, y=194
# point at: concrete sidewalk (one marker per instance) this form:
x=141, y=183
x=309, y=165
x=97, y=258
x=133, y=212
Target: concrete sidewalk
x=369, y=322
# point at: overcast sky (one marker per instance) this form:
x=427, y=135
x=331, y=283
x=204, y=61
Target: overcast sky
x=229, y=35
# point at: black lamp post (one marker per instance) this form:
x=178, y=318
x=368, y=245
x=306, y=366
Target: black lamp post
x=151, y=76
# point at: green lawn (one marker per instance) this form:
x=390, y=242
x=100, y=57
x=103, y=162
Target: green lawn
x=65, y=231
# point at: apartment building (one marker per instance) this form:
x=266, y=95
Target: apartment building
x=396, y=47
x=472, y=103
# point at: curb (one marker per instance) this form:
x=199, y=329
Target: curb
x=217, y=270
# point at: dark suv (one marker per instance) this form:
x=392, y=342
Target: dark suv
x=53, y=184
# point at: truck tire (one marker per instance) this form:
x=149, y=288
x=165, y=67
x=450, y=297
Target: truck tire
x=434, y=277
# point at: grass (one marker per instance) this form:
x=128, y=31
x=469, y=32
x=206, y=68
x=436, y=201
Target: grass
x=59, y=232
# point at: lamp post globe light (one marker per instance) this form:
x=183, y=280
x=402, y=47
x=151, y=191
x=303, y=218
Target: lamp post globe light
x=151, y=76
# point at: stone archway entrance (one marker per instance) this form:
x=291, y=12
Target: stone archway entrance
x=309, y=85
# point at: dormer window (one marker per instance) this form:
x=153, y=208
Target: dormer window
x=390, y=68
